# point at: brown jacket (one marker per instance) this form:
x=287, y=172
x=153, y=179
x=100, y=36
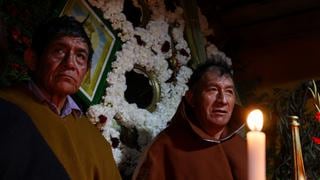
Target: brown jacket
x=184, y=151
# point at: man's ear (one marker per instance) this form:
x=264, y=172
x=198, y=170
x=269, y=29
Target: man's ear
x=189, y=97
x=30, y=59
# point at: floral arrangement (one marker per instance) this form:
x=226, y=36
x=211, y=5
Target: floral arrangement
x=160, y=48
x=150, y=47
x=316, y=103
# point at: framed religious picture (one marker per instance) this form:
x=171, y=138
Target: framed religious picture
x=104, y=43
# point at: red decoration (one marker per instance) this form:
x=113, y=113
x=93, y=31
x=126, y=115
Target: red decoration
x=317, y=116
x=316, y=140
x=102, y=119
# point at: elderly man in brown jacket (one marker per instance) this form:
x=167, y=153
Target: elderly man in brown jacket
x=202, y=141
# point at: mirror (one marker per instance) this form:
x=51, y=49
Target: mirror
x=143, y=88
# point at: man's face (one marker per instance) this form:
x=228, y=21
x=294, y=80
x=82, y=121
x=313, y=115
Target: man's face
x=63, y=65
x=213, y=100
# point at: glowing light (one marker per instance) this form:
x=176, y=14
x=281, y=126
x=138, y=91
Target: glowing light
x=255, y=120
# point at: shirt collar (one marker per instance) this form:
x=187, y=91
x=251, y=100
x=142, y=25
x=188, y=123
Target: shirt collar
x=69, y=107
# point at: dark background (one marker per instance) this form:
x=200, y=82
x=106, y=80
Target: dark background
x=271, y=42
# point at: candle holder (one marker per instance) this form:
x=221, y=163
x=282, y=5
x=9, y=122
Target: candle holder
x=299, y=172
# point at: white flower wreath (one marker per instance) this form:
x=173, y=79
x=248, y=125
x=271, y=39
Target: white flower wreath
x=142, y=46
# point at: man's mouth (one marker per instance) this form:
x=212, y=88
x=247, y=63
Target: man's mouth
x=219, y=111
x=66, y=76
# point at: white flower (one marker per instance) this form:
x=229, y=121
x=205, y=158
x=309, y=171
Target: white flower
x=165, y=28
x=145, y=47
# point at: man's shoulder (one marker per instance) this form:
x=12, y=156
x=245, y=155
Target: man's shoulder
x=164, y=141
x=239, y=138
x=23, y=145
x=236, y=142
x=4, y=91
x=12, y=114
x=8, y=107
x=163, y=136
x=12, y=92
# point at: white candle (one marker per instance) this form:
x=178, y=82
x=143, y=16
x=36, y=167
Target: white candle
x=256, y=141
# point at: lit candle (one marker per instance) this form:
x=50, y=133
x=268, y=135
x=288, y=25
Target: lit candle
x=256, y=141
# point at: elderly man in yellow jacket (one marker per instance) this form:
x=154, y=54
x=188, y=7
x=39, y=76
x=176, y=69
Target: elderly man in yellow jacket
x=43, y=133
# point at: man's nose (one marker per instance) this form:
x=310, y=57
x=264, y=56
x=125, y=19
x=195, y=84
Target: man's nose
x=221, y=98
x=69, y=60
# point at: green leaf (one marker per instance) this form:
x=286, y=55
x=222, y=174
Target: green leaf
x=193, y=32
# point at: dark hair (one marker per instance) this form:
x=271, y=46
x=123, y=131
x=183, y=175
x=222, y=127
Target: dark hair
x=55, y=28
x=219, y=66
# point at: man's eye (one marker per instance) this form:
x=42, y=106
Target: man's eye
x=82, y=58
x=212, y=89
x=59, y=52
x=230, y=91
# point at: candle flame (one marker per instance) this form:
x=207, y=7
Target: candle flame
x=255, y=120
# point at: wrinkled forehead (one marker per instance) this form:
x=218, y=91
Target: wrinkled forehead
x=69, y=38
x=216, y=77
x=67, y=42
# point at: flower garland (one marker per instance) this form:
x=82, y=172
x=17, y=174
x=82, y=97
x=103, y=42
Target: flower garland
x=149, y=47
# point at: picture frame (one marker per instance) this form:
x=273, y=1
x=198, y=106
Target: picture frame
x=104, y=42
